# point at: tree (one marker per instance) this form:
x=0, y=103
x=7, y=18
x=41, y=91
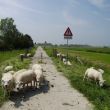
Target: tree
x=8, y=31
x=11, y=38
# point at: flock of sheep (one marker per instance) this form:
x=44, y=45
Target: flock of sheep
x=64, y=59
x=90, y=74
x=18, y=80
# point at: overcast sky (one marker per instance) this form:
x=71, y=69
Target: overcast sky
x=46, y=20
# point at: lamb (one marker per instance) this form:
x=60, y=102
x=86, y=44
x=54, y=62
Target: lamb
x=7, y=82
x=23, y=77
x=8, y=68
x=94, y=74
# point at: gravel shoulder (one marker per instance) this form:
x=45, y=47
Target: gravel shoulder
x=58, y=95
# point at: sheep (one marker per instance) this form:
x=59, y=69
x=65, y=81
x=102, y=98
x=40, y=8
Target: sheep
x=39, y=74
x=66, y=62
x=62, y=56
x=69, y=63
x=22, y=55
x=29, y=54
x=94, y=74
x=58, y=54
x=24, y=77
x=8, y=68
x=22, y=70
x=39, y=77
x=7, y=82
x=36, y=66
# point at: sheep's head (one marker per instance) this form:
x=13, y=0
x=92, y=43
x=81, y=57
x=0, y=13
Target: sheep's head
x=101, y=83
x=5, y=83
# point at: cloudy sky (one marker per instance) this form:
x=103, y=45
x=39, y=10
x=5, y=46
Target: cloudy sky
x=46, y=20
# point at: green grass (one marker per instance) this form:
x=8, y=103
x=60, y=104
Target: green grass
x=12, y=58
x=99, y=97
x=93, y=56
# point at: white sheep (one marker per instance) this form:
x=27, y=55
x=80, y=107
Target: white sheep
x=69, y=63
x=23, y=77
x=94, y=74
x=7, y=82
x=29, y=54
x=66, y=62
x=58, y=54
x=39, y=77
x=8, y=68
x=36, y=66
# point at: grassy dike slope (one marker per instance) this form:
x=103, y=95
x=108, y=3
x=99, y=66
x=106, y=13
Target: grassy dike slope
x=100, y=97
x=12, y=58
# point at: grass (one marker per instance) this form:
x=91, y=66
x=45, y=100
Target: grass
x=99, y=97
x=93, y=56
x=12, y=58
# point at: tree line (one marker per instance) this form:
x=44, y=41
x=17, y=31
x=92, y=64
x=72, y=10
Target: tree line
x=11, y=37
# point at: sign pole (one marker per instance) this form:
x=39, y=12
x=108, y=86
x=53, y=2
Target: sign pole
x=68, y=35
x=67, y=49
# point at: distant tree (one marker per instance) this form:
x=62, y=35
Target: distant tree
x=11, y=38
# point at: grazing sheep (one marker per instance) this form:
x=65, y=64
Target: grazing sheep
x=69, y=63
x=58, y=54
x=66, y=62
x=29, y=54
x=96, y=75
x=62, y=56
x=22, y=55
x=7, y=82
x=8, y=68
x=23, y=77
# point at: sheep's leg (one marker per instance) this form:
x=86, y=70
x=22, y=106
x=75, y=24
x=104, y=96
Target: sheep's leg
x=34, y=84
x=38, y=83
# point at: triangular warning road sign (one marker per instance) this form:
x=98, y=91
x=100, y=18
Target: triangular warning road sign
x=68, y=33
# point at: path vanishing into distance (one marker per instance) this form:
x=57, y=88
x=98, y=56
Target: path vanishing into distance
x=57, y=95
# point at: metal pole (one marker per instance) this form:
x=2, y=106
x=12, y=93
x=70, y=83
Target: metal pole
x=67, y=48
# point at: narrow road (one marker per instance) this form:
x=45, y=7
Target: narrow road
x=58, y=96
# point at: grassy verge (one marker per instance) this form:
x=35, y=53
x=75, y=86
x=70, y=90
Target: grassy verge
x=12, y=58
x=99, y=97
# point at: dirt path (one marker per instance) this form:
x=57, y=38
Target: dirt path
x=60, y=95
